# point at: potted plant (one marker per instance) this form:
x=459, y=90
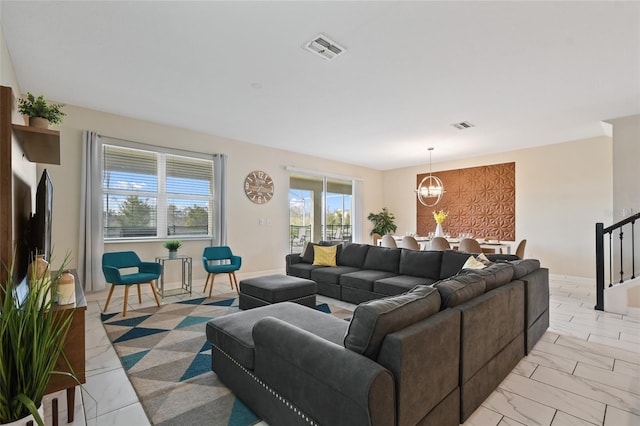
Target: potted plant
x=39, y=111
x=172, y=246
x=383, y=222
x=32, y=334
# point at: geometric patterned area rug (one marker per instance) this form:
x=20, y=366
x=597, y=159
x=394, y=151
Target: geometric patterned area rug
x=166, y=355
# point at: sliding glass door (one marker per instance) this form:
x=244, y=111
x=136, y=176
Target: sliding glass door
x=320, y=208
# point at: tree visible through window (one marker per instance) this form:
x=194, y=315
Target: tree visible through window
x=149, y=194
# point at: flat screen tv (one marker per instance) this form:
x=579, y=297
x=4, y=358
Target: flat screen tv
x=40, y=228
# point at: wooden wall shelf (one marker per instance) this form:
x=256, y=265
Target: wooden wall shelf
x=39, y=145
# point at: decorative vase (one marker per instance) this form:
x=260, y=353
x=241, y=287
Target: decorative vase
x=173, y=254
x=26, y=421
x=39, y=275
x=66, y=288
x=439, y=232
x=39, y=122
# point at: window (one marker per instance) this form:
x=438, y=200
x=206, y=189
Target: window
x=320, y=208
x=154, y=194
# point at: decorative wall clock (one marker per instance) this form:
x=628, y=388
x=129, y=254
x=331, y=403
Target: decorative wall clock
x=258, y=186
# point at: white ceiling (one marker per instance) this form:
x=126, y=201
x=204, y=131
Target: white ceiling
x=524, y=73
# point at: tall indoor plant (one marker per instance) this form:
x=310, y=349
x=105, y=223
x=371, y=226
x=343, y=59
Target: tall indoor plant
x=383, y=222
x=32, y=334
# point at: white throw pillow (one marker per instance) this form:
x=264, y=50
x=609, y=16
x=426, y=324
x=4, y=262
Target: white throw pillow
x=473, y=263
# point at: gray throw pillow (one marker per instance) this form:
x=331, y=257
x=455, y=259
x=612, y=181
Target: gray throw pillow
x=373, y=320
x=307, y=257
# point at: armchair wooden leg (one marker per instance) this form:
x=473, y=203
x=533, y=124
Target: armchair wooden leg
x=155, y=293
x=213, y=277
x=235, y=279
x=139, y=294
x=106, y=305
x=126, y=300
x=206, y=283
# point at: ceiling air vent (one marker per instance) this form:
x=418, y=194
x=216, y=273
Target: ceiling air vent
x=324, y=47
x=463, y=125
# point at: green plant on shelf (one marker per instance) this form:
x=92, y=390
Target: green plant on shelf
x=39, y=107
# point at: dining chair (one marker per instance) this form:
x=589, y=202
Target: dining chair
x=520, y=249
x=388, y=241
x=376, y=237
x=440, y=244
x=220, y=260
x=148, y=272
x=470, y=245
x=409, y=242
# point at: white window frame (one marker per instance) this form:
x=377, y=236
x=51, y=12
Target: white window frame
x=162, y=196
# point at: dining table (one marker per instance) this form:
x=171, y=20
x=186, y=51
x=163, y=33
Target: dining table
x=489, y=245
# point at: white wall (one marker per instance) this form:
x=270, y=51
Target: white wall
x=626, y=152
x=562, y=190
x=262, y=247
x=626, y=196
x=21, y=167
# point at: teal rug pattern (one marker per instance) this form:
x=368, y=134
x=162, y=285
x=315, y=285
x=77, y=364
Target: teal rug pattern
x=167, y=358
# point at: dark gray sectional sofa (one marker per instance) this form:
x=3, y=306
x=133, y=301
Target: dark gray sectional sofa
x=426, y=346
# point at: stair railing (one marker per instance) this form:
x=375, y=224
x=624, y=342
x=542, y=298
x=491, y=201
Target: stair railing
x=601, y=231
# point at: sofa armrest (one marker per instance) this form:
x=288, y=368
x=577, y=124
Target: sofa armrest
x=328, y=382
x=292, y=259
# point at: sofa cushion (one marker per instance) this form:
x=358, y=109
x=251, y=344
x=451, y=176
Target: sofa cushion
x=460, y=289
x=524, y=267
x=495, y=275
x=382, y=259
x=302, y=270
x=421, y=263
x=363, y=280
x=452, y=261
x=353, y=255
x=329, y=275
x=324, y=256
x=399, y=284
x=232, y=333
x=373, y=320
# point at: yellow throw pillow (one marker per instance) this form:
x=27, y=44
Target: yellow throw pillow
x=472, y=263
x=324, y=255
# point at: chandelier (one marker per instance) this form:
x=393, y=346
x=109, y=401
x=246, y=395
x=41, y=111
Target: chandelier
x=430, y=189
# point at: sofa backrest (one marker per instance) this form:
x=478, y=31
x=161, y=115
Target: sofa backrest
x=374, y=319
x=382, y=259
x=421, y=263
x=452, y=262
x=524, y=267
x=495, y=275
x=425, y=361
x=490, y=323
x=353, y=255
x=459, y=289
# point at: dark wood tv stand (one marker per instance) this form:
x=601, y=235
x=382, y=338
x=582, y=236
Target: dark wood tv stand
x=74, y=350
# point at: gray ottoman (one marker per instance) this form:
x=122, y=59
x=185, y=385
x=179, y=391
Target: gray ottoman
x=271, y=289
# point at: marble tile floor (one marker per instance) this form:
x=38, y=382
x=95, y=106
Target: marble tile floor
x=584, y=371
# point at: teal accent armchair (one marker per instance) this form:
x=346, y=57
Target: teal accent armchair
x=225, y=263
x=147, y=273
